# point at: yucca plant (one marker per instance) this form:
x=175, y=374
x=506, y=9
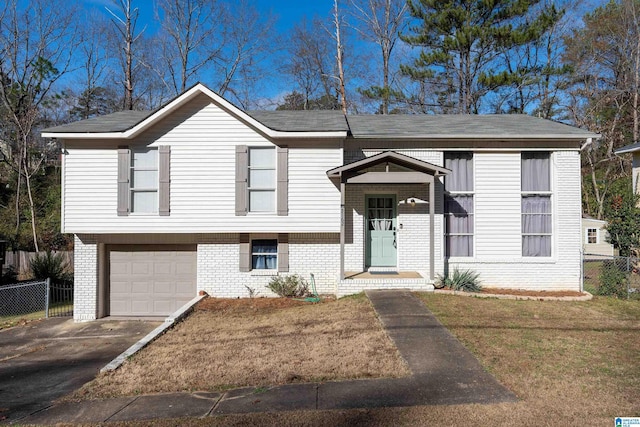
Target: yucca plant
x=460, y=280
x=50, y=265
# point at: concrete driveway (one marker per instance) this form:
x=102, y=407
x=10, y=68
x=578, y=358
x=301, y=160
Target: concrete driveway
x=47, y=359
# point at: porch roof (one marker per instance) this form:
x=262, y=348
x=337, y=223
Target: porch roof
x=418, y=169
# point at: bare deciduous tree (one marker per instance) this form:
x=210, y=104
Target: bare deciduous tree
x=247, y=42
x=337, y=36
x=381, y=22
x=190, y=38
x=36, y=46
x=125, y=18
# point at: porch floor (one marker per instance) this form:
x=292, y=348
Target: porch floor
x=354, y=275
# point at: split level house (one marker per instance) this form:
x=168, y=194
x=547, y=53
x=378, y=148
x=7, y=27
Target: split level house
x=200, y=195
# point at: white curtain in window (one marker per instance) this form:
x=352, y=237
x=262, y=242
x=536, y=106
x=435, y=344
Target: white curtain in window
x=536, y=174
x=264, y=255
x=461, y=177
x=459, y=225
x=536, y=221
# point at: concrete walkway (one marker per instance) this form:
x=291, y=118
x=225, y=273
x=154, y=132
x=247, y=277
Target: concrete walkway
x=443, y=372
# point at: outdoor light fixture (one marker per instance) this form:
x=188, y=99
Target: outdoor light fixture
x=413, y=202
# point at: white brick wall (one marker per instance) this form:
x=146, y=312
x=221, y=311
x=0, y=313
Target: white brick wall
x=219, y=274
x=85, y=265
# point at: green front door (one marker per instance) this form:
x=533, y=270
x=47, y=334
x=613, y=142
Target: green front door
x=381, y=247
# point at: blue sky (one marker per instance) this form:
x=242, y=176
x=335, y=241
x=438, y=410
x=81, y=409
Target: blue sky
x=288, y=12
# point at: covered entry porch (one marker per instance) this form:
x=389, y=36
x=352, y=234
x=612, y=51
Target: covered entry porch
x=389, y=230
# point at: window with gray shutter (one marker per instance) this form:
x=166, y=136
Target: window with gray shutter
x=124, y=157
x=164, y=166
x=283, y=253
x=242, y=167
x=245, y=252
x=283, y=181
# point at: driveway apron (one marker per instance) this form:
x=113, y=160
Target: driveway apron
x=45, y=360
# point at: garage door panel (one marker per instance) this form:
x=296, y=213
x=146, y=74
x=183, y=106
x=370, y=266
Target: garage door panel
x=120, y=306
x=164, y=306
x=120, y=287
x=141, y=306
x=184, y=288
x=151, y=282
x=163, y=267
x=141, y=287
x=164, y=288
x=141, y=268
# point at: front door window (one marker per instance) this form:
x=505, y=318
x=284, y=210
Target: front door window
x=381, y=231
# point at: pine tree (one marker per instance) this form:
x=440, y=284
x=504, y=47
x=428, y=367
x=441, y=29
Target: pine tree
x=461, y=40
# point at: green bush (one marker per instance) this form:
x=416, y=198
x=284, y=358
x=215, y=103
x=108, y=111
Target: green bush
x=466, y=280
x=9, y=277
x=50, y=265
x=289, y=286
x=613, y=280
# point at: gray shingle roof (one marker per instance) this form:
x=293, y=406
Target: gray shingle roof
x=302, y=121
x=628, y=148
x=115, y=122
x=368, y=126
x=423, y=125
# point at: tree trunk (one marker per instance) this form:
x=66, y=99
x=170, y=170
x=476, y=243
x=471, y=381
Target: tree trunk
x=339, y=58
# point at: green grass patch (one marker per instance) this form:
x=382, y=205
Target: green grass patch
x=573, y=356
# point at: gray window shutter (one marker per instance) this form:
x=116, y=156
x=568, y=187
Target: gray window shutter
x=164, y=168
x=283, y=181
x=124, y=159
x=283, y=253
x=242, y=166
x=245, y=252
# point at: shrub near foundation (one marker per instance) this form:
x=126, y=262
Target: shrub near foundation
x=289, y=286
x=467, y=280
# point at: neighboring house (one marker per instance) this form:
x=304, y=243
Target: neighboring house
x=200, y=195
x=634, y=149
x=595, y=237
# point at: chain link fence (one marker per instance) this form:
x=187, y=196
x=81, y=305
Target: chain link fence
x=36, y=296
x=23, y=298
x=611, y=275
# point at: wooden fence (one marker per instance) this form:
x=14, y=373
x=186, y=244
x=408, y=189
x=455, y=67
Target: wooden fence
x=19, y=261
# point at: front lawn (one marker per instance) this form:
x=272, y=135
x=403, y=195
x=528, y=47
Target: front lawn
x=258, y=342
x=570, y=363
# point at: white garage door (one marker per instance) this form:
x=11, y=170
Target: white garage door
x=152, y=281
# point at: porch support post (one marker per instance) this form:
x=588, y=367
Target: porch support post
x=342, y=224
x=432, y=245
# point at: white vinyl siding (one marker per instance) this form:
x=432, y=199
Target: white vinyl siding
x=498, y=202
x=203, y=141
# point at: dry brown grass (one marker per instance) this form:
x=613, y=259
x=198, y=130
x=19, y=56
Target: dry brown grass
x=570, y=363
x=258, y=342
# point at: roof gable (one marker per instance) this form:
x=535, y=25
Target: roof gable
x=388, y=157
x=119, y=126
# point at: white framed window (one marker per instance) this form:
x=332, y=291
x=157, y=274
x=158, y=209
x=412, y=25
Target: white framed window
x=144, y=180
x=459, y=204
x=262, y=179
x=592, y=236
x=264, y=254
x=536, y=209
